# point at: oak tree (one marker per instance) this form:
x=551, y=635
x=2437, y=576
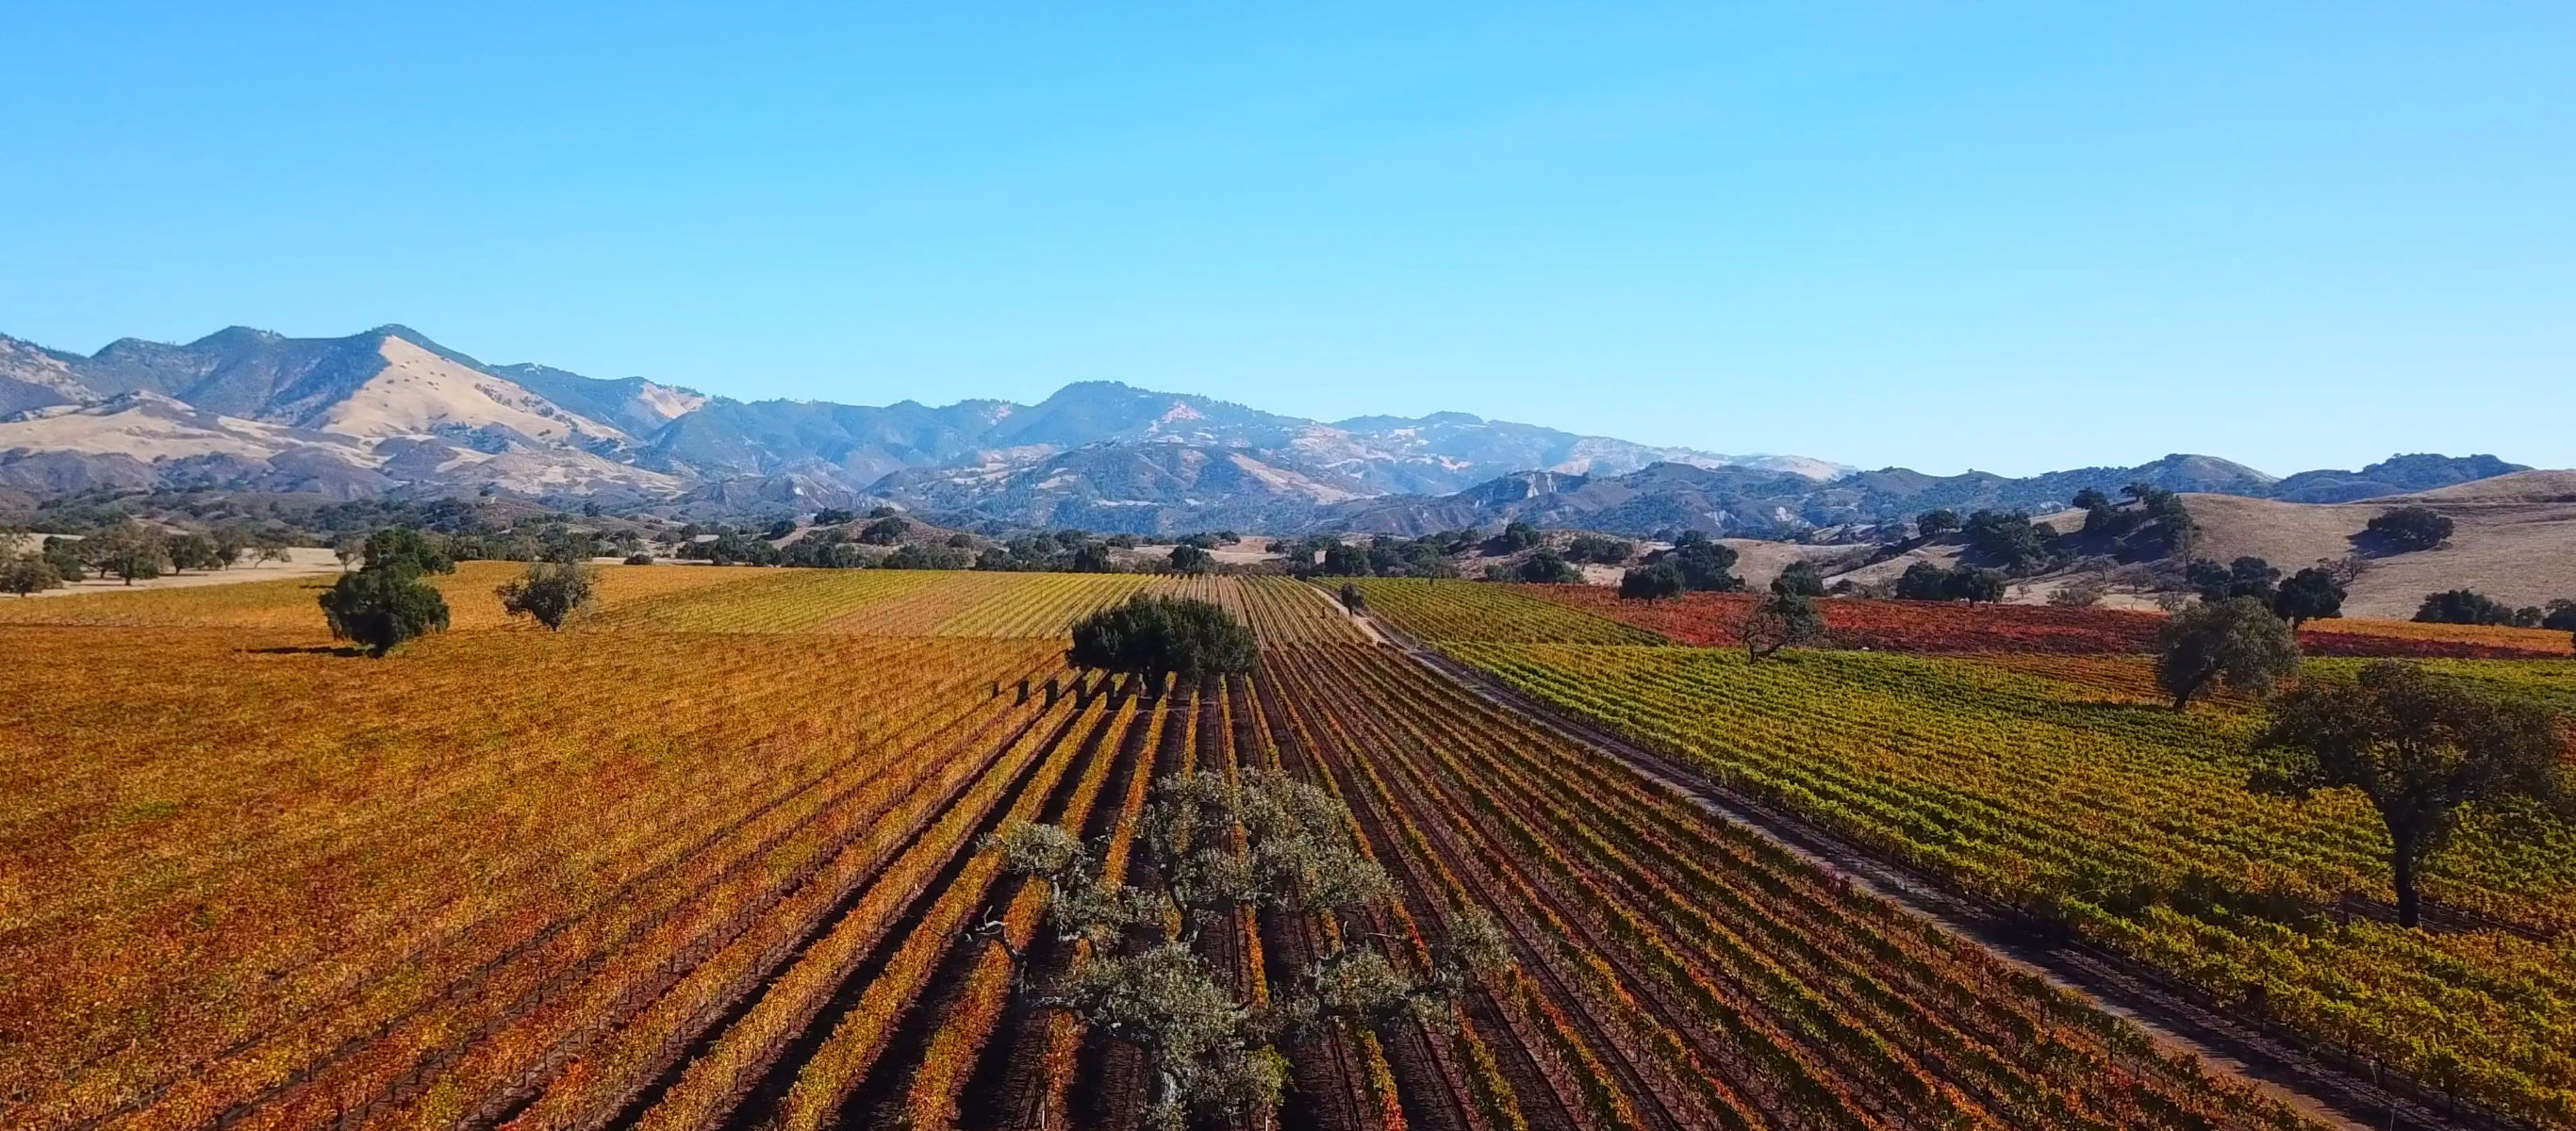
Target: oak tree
x=381, y=608
x=1800, y=578
x=2310, y=594
x=2409, y=528
x=2423, y=749
x=131, y=551
x=2463, y=606
x=1972, y=584
x=1219, y=848
x=25, y=573
x=551, y=592
x=1923, y=581
x=1544, y=566
x=2236, y=642
x=1650, y=583
x=1705, y=563
x=1779, y=621
x=1154, y=636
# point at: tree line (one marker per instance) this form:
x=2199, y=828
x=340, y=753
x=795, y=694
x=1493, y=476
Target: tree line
x=885, y=538
x=131, y=551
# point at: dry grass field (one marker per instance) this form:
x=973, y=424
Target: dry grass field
x=2515, y=540
x=302, y=561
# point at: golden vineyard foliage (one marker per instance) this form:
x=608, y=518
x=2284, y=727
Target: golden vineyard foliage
x=1678, y=971
x=225, y=862
x=2059, y=784
x=2542, y=641
x=708, y=858
x=1474, y=610
x=2546, y=681
x=693, y=598
x=287, y=604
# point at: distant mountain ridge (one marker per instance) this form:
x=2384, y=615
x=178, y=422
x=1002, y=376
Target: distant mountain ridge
x=1753, y=503
x=389, y=412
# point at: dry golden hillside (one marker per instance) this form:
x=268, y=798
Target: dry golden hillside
x=2515, y=540
x=1758, y=561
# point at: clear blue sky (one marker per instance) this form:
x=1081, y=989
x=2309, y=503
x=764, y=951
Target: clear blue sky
x=2008, y=236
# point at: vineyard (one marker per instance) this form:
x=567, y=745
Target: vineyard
x=268, y=889
x=1678, y=972
x=706, y=599
x=955, y=604
x=1468, y=610
x=1947, y=628
x=287, y=604
x=2319, y=637
x=2047, y=778
x=709, y=859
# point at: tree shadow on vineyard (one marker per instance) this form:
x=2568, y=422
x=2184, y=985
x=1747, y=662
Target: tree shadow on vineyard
x=307, y=650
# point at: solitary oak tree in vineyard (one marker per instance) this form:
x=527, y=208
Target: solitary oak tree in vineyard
x=2422, y=749
x=551, y=592
x=2236, y=642
x=1651, y=583
x=1779, y=621
x=387, y=603
x=1153, y=636
x=2309, y=594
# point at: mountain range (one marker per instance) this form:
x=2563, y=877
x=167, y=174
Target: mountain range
x=1755, y=503
x=390, y=413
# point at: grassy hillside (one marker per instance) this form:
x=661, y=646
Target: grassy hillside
x=2515, y=540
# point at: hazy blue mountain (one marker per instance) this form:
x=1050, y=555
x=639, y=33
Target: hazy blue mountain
x=857, y=445
x=2396, y=475
x=850, y=444
x=1752, y=502
x=633, y=405
x=1143, y=488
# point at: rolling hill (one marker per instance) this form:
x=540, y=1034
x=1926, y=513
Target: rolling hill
x=2514, y=539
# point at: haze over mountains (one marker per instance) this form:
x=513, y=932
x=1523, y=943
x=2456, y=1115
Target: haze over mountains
x=389, y=412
